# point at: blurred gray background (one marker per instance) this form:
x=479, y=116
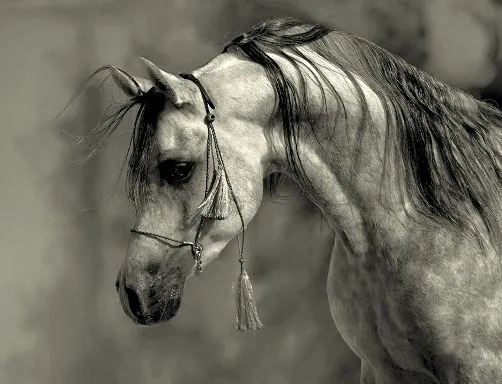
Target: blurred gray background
x=64, y=227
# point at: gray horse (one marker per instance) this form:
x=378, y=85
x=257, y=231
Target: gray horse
x=406, y=170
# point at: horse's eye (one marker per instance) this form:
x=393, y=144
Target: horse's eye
x=175, y=172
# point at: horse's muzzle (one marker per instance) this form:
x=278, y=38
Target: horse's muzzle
x=149, y=308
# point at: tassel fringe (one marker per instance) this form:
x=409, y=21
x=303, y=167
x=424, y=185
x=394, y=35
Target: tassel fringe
x=247, y=314
x=217, y=203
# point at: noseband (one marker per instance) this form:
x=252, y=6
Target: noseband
x=196, y=245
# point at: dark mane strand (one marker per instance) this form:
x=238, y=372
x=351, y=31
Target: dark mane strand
x=272, y=37
x=443, y=143
x=142, y=143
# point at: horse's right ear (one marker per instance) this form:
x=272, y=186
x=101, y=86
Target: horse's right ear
x=132, y=86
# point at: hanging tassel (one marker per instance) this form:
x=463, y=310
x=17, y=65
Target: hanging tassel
x=247, y=314
x=217, y=202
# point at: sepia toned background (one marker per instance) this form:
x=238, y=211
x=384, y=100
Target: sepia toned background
x=64, y=226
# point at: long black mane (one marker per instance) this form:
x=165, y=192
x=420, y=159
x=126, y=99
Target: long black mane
x=445, y=144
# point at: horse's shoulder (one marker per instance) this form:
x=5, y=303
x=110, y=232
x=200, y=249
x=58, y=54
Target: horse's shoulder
x=454, y=291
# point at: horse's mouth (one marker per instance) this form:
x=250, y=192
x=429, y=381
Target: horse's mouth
x=153, y=305
x=159, y=314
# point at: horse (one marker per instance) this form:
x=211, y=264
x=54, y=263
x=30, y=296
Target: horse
x=406, y=170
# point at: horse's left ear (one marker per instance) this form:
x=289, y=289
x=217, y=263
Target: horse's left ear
x=176, y=89
x=130, y=85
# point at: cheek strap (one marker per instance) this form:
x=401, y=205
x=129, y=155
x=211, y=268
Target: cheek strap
x=216, y=206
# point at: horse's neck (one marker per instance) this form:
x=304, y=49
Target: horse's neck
x=352, y=204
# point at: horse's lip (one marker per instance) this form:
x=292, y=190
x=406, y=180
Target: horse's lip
x=148, y=320
x=169, y=310
x=143, y=320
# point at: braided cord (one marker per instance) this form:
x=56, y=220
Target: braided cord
x=211, y=133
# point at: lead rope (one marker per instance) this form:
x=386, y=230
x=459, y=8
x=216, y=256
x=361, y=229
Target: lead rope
x=216, y=206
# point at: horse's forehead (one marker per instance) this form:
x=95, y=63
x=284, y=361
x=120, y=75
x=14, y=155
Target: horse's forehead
x=179, y=130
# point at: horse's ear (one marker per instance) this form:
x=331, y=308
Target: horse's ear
x=176, y=89
x=132, y=86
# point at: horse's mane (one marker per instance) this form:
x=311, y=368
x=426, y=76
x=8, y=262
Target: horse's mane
x=443, y=143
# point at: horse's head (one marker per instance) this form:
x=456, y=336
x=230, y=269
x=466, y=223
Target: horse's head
x=200, y=181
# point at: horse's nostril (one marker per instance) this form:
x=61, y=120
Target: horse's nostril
x=117, y=285
x=134, y=304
